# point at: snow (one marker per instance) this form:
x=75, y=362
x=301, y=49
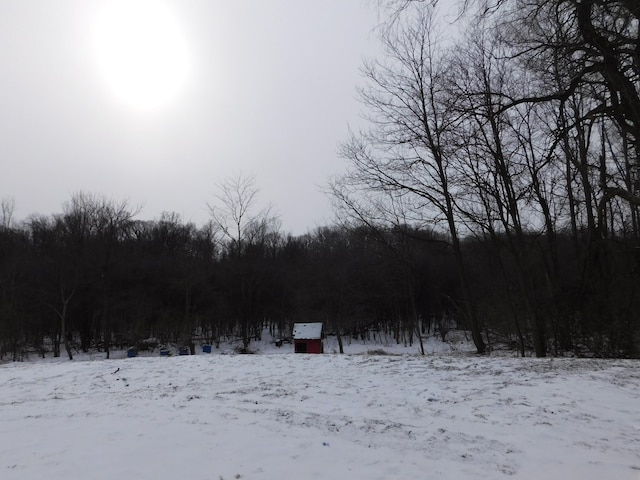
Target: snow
x=307, y=331
x=444, y=416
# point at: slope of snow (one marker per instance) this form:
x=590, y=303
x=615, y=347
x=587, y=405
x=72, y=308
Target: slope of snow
x=320, y=417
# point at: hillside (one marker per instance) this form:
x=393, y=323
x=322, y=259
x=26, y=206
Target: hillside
x=445, y=416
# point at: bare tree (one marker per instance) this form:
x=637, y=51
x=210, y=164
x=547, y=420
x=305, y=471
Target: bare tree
x=95, y=225
x=7, y=209
x=404, y=159
x=62, y=311
x=247, y=233
x=234, y=214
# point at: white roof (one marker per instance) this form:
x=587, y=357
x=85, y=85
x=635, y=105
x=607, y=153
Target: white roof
x=307, y=331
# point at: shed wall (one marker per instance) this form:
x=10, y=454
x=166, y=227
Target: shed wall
x=308, y=346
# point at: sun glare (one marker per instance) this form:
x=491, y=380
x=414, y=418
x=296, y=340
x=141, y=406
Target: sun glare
x=141, y=52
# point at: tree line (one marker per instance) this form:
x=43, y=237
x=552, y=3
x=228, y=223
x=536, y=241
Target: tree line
x=497, y=187
x=94, y=278
x=520, y=133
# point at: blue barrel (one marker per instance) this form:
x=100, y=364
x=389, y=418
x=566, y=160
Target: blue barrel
x=165, y=352
x=206, y=348
x=132, y=352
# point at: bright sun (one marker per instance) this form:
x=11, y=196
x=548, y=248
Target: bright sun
x=141, y=52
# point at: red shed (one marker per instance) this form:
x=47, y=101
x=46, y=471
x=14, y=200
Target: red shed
x=307, y=338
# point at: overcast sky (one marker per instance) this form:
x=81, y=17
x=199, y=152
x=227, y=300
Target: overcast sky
x=267, y=88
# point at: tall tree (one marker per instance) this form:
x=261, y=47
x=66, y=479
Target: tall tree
x=246, y=233
x=405, y=157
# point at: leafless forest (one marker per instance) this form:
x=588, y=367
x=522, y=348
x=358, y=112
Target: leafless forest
x=496, y=190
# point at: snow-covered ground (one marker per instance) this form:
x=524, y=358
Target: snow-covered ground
x=287, y=416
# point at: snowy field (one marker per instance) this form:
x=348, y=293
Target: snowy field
x=358, y=416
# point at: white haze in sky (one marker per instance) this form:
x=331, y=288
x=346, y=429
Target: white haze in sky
x=264, y=88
